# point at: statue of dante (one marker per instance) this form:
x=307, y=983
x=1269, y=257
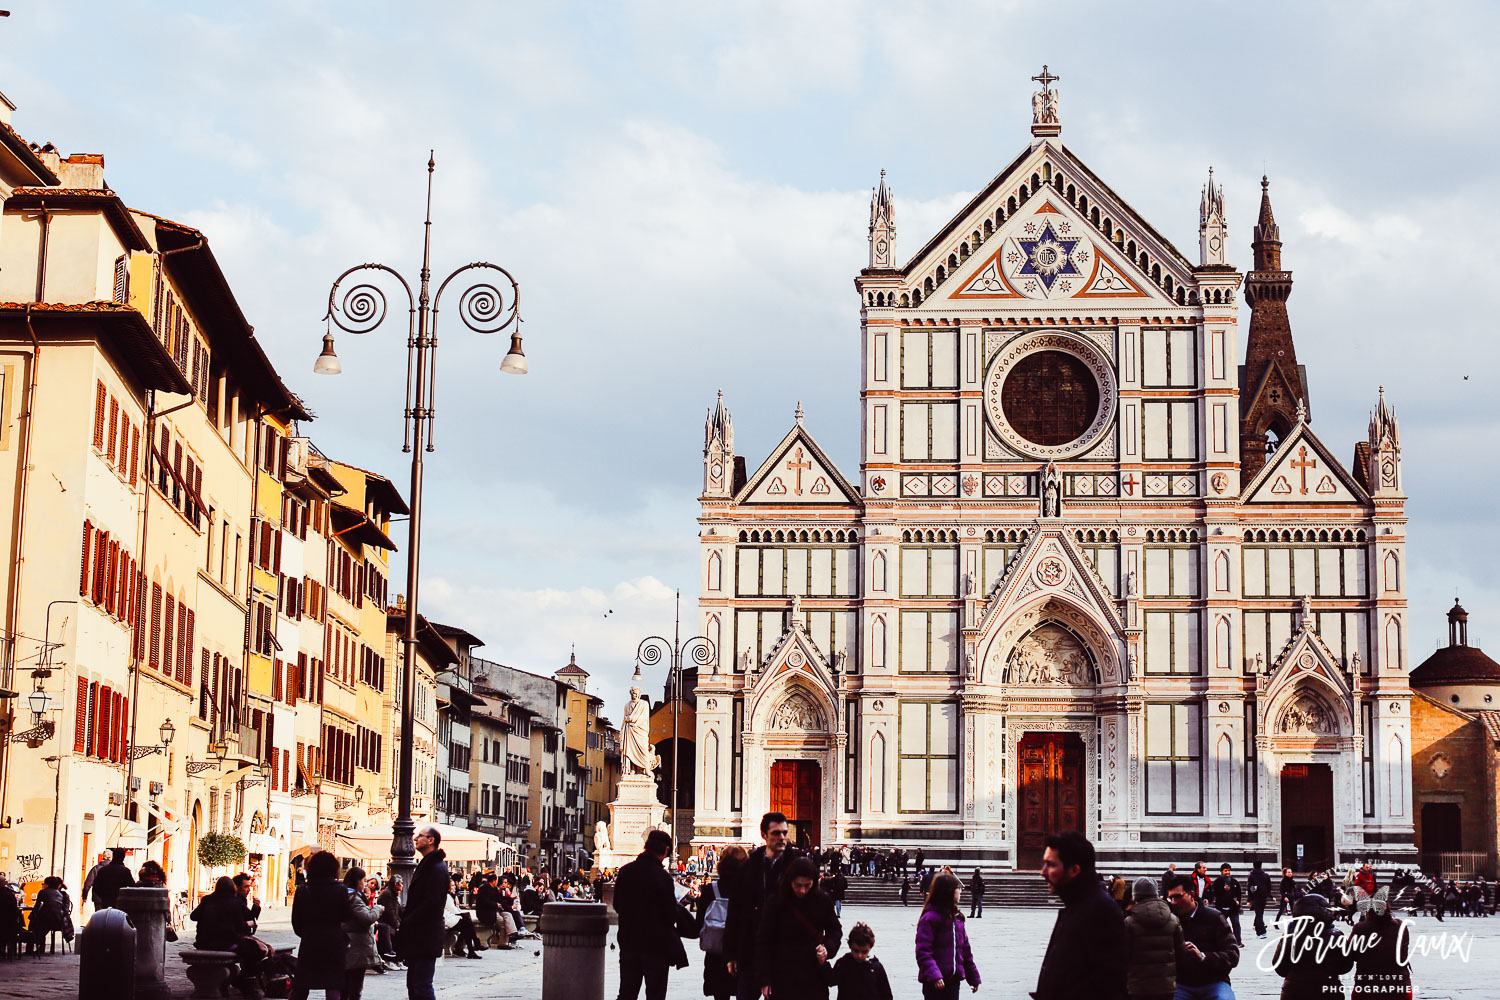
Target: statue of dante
x=635, y=751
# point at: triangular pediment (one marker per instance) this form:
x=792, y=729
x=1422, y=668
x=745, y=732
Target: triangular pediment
x=1050, y=565
x=798, y=472
x=1277, y=389
x=1044, y=243
x=1303, y=470
x=795, y=663
x=1305, y=678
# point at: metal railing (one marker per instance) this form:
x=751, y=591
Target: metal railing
x=1461, y=865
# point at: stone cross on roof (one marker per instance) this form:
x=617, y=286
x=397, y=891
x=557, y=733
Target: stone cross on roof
x=1046, y=79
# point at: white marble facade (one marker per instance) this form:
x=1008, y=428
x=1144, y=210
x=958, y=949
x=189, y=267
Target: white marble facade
x=1049, y=533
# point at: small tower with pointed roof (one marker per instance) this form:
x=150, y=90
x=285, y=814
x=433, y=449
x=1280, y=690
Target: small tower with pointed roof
x=1213, y=227
x=882, y=226
x=718, y=452
x=1272, y=384
x=1383, y=463
x=573, y=675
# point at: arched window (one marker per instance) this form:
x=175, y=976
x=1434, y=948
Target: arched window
x=715, y=572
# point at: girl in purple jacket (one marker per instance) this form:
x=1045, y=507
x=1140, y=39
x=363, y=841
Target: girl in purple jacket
x=944, y=959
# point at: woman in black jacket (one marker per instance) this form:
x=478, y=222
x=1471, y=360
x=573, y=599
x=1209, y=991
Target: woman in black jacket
x=390, y=921
x=318, y=913
x=799, y=935
x=718, y=981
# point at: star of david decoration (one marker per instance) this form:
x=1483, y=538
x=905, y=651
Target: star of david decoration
x=1048, y=256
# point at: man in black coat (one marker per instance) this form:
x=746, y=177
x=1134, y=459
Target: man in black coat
x=1211, y=952
x=755, y=884
x=1085, y=957
x=647, y=905
x=1225, y=895
x=111, y=879
x=1259, y=887
x=976, y=895
x=419, y=942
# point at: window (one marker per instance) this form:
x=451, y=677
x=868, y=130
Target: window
x=1171, y=571
x=929, y=572
x=996, y=558
x=809, y=572
x=851, y=755
x=929, y=359
x=1168, y=359
x=755, y=632
x=1106, y=562
x=929, y=642
x=1172, y=642
x=1170, y=430
x=1288, y=571
x=1174, y=759
x=929, y=757
x=929, y=432
x=736, y=753
x=834, y=633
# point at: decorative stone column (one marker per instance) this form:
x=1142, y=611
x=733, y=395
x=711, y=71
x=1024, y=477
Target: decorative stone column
x=573, y=951
x=148, y=908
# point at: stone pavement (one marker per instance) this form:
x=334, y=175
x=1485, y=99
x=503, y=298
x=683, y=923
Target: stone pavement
x=1008, y=948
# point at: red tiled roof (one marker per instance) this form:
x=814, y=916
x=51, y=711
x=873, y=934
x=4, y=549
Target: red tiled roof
x=23, y=151
x=1491, y=720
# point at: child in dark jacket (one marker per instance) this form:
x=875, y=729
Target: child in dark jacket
x=859, y=975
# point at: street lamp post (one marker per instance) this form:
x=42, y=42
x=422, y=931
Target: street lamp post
x=486, y=306
x=651, y=651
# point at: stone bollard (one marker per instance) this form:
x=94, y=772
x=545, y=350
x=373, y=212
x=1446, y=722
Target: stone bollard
x=148, y=909
x=608, y=892
x=573, y=951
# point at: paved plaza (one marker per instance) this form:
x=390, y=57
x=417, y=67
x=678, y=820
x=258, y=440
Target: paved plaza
x=1008, y=946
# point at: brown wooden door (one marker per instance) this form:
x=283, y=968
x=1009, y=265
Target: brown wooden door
x=795, y=787
x=1307, y=816
x=1051, y=790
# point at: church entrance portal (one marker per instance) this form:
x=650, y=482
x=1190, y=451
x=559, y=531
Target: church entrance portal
x=1307, y=816
x=795, y=791
x=1051, y=791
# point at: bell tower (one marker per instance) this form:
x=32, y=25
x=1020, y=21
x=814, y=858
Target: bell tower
x=718, y=452
x=1213, y=228
x=1273, y=387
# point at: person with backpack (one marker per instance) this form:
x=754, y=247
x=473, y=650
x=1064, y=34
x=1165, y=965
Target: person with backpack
x=712, y=917
x=1153, y=940
x=944, y=958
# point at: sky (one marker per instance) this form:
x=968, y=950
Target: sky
x=681, y=190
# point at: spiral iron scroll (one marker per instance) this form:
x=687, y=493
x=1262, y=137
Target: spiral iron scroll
x=363, y=307
x=485, y=306
x=699, y=651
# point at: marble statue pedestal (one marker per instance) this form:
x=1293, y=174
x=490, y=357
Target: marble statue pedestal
x=633, y=814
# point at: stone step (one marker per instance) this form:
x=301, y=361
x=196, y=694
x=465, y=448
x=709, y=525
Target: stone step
x=1023, y=889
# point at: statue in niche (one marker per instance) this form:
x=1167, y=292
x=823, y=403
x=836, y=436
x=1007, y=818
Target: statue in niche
x=1130, y=590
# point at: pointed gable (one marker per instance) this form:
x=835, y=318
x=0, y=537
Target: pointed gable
x=795, y=664
x=798, y=472
x=1048, y=229
x=1303, y=470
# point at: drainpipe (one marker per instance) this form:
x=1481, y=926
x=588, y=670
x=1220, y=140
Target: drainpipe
x=18, y=522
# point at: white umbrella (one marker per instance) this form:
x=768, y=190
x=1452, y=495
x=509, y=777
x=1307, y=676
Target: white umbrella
x=373, y=843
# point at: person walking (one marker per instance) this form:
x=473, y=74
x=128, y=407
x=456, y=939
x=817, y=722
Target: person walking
x=1085, y=957
x=1307, y=956
x=1210, y=952
x=718, y=982
x=1258, y=885
x=359, y=929
x=1289, y=893
x=798, y=936
x=905, y=891
x=1166, y=879
x=1153, y=940
x=419, y=941
x=836, y=886
x=944, y=959
x=976, y=895
x=647, y=905
x=755, y=885
x=1382, y=967
x=1225, y=895
x=111, y=879
x=319, y=910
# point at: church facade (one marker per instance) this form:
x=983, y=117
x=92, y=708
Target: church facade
x=1092, y=571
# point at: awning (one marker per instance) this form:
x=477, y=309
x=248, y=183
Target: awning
x=166, y=826
x=261, y=843
x=127, y=834
x=373, y=843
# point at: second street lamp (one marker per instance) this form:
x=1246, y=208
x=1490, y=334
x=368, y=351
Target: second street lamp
x=489, y=305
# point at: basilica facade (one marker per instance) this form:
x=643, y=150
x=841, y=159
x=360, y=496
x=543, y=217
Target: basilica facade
x=1092, y=571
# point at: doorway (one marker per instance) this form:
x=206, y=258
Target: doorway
x=796, y=791
x=1442, y=827
x=1307, y=816
x=1050, y=791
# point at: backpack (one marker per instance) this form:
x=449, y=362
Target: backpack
x=711, y=937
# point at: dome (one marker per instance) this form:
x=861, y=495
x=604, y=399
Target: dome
x=1458, y=662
